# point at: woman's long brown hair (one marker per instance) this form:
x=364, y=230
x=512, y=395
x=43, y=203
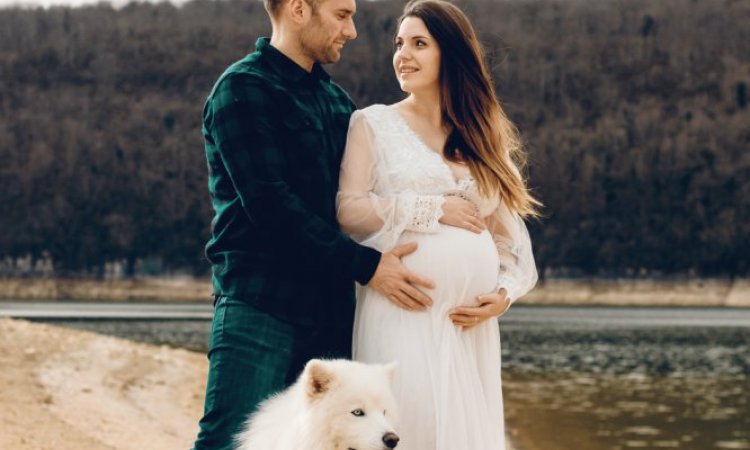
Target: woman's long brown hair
x=481, y=134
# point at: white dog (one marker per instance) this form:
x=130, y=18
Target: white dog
x=333, y=405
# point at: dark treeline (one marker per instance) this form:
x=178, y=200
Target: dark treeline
x=635, y=114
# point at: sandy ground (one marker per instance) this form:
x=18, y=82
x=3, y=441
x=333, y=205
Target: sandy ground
x=64, y=389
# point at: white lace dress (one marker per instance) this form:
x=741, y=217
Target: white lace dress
x=448, y=380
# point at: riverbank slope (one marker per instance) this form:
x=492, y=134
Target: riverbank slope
x=71, y=390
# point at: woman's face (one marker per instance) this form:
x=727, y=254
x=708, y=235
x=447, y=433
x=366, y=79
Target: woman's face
x=417, y=57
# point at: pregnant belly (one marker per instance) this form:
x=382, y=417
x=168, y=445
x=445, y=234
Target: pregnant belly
x=462, y=264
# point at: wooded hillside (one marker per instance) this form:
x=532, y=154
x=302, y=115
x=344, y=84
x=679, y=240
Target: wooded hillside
x=635, y=114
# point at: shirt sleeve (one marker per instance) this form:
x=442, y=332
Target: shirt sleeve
x=245, y=135
x=377, y=215
x=517, y=272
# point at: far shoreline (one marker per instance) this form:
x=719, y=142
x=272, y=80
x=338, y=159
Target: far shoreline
x=694, y=292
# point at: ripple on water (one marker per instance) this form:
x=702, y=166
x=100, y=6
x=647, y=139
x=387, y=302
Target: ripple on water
x=632, y=406
x=721, y=413
x=643, y=430
x=739, y=444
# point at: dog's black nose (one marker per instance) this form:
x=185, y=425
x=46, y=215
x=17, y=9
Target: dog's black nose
x=390, y=440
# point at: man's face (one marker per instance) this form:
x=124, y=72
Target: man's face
x=329, y=27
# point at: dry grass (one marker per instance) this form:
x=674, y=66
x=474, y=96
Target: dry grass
x=692, y=292
x=147, y=289
x=689, y=292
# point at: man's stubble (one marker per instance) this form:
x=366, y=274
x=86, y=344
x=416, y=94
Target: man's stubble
x=315, y=43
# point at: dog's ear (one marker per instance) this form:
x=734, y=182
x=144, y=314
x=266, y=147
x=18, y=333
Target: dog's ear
x=390, y=370
x=318, y=377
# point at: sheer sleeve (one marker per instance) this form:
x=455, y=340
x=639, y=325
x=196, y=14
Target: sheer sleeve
x=517, y=272
x=368, y=207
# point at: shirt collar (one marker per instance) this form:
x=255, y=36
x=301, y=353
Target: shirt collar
x=286, y=67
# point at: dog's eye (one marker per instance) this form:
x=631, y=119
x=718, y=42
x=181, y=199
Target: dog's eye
x=358, y=412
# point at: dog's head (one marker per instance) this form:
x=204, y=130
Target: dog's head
x=353, y=402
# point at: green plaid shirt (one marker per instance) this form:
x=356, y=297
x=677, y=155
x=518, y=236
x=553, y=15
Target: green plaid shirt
x=274, y=137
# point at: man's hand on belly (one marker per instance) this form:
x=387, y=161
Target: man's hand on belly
x=397, y=283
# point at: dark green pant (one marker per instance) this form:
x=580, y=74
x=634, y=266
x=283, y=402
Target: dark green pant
x=252, y=355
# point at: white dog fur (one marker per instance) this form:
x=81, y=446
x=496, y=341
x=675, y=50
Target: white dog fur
x=333, y=405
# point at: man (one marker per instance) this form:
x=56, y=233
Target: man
x=275, y=129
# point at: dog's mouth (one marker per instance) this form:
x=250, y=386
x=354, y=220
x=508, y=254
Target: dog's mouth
x=351, y=448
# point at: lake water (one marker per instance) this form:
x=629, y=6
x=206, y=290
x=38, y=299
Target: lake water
x=587, y=386
x=597, y=388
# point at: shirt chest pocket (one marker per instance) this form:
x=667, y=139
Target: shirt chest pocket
x=304, y=135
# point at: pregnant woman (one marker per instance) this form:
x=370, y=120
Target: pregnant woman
x=438, y=169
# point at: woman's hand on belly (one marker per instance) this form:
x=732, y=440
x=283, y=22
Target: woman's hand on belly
x=489, y=306
x=461, y=213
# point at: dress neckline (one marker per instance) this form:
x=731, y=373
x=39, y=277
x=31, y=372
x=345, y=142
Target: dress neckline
x=458, y=181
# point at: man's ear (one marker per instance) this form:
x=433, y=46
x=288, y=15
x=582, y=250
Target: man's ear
x=298, y=10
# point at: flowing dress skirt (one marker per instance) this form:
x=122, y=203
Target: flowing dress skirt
x=448, y=380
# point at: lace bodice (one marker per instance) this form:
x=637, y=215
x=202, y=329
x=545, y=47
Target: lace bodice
x=392, y=182
x=412, y=165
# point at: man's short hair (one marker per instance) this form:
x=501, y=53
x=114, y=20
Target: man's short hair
x=272, y=6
